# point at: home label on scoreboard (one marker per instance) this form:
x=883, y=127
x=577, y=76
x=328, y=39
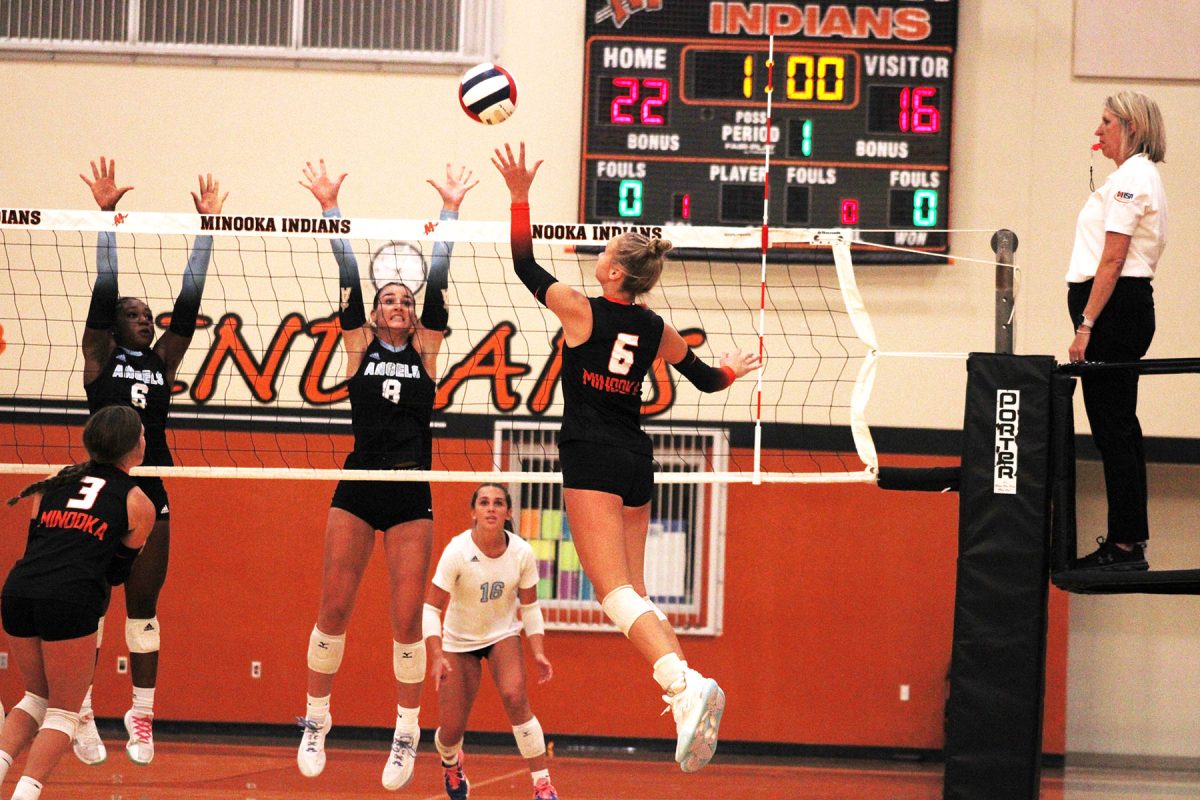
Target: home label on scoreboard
x=675, y=125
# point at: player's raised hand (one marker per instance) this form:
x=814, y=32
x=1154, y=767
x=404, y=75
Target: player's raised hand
x=517, y=176
x=324, y=188
x=455, y=188
x=210, y=200
x=104, y=184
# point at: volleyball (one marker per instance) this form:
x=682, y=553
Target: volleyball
x=488, y=94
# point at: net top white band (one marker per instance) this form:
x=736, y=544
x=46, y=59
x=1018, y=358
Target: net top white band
x=431, y=230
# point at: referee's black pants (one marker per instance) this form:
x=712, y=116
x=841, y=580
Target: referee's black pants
x=1122, y=332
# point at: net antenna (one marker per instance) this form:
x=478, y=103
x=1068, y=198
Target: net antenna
x=766, y=244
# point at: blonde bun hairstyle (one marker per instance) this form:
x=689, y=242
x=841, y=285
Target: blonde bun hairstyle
x=641, y=259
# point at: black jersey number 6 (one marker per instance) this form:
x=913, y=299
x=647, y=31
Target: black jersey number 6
x=137, y=395
x=621, y=360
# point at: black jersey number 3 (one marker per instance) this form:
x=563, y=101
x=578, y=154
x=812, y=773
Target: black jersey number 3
x=89, y=490
x=621, y=360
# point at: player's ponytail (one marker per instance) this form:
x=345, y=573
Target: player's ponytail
x=67, y=474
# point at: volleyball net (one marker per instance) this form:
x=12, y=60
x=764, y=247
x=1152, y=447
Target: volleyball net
x=261, y=391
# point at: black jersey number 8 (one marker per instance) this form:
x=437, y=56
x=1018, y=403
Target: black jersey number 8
x=89, y=490
x=391, y=390
x=621, y=360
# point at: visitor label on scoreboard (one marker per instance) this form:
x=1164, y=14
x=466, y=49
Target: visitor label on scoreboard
x=859, y=129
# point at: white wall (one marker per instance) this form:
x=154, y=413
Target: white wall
x=1023, y=125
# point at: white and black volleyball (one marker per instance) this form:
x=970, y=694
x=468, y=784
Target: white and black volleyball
x=488, y=94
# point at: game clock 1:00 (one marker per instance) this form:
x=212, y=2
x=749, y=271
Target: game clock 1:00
x=675, y=131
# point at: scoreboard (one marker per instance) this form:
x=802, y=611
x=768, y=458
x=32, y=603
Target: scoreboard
x=675, y=116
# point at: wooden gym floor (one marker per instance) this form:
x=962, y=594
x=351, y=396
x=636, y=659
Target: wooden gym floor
x=257, y=769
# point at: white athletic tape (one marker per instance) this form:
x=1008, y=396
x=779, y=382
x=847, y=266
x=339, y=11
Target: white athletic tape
x=34, y=706
x=623, y=606
x=530, y=740
x=431, y=622
x=657, y=611
x=531, y=619
x=408, y=662
x=325, y=651
x=141, y=635
x=58, y=719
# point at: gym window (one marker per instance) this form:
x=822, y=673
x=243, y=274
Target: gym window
x=685, y=543
x=379, y=33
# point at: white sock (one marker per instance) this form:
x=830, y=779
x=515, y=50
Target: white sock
x=143, y=701
x=668, y=670
x=86, y=708
x=27, y=789
x=406, y=718
x=316, y=708
x=537, y=776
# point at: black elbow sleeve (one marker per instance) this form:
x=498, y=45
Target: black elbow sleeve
x=536, y=279
x=434, y=315
x=702, y=376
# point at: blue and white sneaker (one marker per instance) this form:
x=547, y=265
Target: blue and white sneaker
x=399, y=768
x=311, y=755
x=697, y=706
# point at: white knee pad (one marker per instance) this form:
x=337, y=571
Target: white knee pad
x=654, y=607
x=623, y=606
x=99, y=632
x=34, y=706
x=530, y=740
x=408, y=662
x=141, y=635
x=325, y=651
x=58, y=719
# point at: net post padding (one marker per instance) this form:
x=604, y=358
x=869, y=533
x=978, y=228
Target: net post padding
x=997, y=670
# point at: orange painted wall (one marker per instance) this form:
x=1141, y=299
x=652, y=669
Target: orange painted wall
x=834, y=597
